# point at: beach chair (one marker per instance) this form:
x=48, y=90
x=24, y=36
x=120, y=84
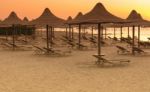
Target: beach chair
x=115, y=39
x=147, y=44
x=52, y=52
x=81, y=46
x=71, y=44
x=138, y=50
x=122, y=50
x=143, y=44
x=103, y=61
x=84, y=37
x=39, y=50
x=129, y=43
x=93, y=41
x=6, y=45
x=103, y=43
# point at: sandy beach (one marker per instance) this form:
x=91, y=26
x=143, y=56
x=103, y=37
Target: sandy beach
x=82, y=53
x=23, y=71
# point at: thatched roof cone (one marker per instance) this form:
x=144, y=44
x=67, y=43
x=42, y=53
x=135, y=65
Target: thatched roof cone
x=25, y=21
x=69, y=18
x=134, y=16
x=48, y=18
x=79, y=15
x=136, y=19
x=12, y=19
x=99, y=14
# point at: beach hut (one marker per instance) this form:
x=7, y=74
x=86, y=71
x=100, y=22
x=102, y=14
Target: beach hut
x=98, y=16
x=12, y=19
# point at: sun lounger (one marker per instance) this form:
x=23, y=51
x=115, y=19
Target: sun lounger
x=57, y=52
x=115, y=39
x=84, y=37
x=102, y=61
x=71, y=44
x=138, y=50
x=39, y=50
x=81, y=46
x=122, y=50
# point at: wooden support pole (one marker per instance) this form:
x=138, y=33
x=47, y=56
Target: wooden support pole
x=99, y=41
x=139, y=34
x=47, y=36
x=133, y=40
x=121, y=34
x=128, y=32
x=114, y=32
x=79, y=36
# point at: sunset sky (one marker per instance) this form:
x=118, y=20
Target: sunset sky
x=63, y=8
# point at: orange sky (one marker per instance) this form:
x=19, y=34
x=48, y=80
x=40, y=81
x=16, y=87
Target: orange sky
x=64, y=8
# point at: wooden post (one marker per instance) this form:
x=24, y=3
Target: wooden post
x=51, y=36
x=13, y=33
x=72, y=33
x=6, y=33
x=114, y=32
x=105, y=33
x=79, y=38
x=128, y=32
x=92, y=32
x=133, y=40
x=53, y=32
x=99, y=41
x=139, y=33
x=102, y=32
x=66, y=32
x=47, y=35
x=26, y=32
x=121, y=34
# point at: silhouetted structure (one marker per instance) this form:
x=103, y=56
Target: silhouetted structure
x=12, y=19
x=48, y=18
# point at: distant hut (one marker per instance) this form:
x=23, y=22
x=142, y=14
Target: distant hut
x=48, y=18
x=12, y=19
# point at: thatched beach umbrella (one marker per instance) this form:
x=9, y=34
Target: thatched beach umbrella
x=25, y=21
x=12, y=19
x=98, y=15
x=48, y=18
x=68, y=34
x=77, y=17
x=138, y=21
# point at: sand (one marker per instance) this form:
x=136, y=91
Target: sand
x=23, y=71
